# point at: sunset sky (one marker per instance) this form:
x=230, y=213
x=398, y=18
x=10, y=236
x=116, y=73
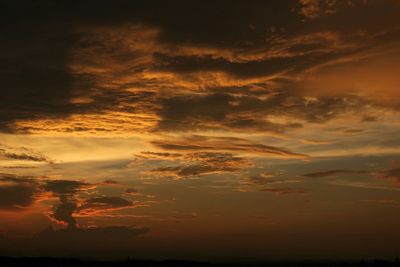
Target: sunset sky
x=205, y=130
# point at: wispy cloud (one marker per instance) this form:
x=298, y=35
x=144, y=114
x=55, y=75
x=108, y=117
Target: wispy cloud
x=230, y=144
x=334, y=172
x=202, y=163
x=23, y=153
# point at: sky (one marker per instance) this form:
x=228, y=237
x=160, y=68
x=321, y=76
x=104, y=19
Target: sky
x=201, y=130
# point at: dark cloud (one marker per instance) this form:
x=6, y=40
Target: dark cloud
x=65, y=187
x=69, y=205
x=63, y=212
x=244, y=113
x=35, y=81
x=191, y=64
x=17, y=193
x=16, y=196
x=168, y=68
x=57, y=61
x=334, y=172
x=65, y=190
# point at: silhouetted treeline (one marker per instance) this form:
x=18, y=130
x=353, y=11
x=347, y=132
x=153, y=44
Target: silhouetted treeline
x=65, y=262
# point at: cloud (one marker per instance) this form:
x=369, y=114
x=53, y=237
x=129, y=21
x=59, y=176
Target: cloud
x=364, y=185
x=390, y=175
x=202, y=163
x=150, y=155
x=310, y=8
x=63, y=212
x=334, y=172
x=263, y=179
x=70, y=206
x=17, y=193
x=32, y=72
x=144, y=58
x=132, y=191
x=379, y=69
x=190, y=170
x=284, y=191
x=95, y=204
x=258, y=179
x=65, y=190
x=316, y=142
x=21, y=192
x=276, y=112
x=381, y=201
x=65, y=187
x=229, y=144
x=268, y=67
x=110, y=182
x=313, y=9
x=162, y=155
x=22, y=153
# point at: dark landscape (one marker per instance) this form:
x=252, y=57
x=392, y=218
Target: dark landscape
x=60, y=262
